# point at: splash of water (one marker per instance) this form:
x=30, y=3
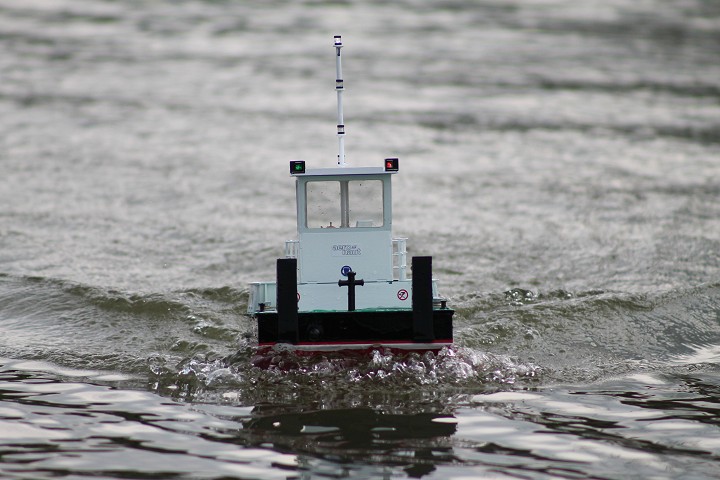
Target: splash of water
x=284, y=374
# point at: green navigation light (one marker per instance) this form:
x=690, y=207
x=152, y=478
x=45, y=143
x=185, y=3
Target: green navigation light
x=297, y=167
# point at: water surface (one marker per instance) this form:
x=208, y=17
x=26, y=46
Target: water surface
x=558, y=159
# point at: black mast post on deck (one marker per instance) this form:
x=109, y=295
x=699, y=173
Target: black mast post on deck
x=287, y=301
x=351, y=283
x=422, y=299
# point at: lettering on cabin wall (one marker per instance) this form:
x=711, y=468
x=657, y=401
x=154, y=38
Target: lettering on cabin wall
x=346, y=250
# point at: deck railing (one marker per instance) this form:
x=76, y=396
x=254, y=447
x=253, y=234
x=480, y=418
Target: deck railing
x=399, y=254
x=291, y=248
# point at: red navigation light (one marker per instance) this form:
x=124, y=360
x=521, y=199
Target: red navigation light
x=392, y=165
x=297, y=166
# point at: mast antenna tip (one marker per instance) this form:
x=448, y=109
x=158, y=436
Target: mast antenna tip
x=339, y=89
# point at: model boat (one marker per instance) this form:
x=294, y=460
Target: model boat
x=344, y=282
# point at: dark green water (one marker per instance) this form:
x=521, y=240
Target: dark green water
x=560, y=160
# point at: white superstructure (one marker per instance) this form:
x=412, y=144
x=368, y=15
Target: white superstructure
x=344, y=223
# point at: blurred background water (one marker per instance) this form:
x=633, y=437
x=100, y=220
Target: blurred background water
x=559, y=159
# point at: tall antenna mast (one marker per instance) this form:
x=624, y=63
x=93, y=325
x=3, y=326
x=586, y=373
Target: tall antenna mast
x=339, y=89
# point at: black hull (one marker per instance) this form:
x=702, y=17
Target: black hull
x=366, y=327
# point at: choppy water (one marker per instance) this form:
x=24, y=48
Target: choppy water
x=559, y=159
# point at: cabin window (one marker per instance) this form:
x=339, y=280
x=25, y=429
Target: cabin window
x=366, y=203
x=344, y=204
x=323, y=204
